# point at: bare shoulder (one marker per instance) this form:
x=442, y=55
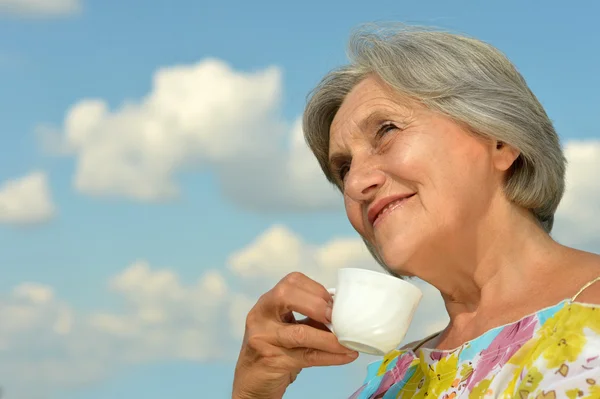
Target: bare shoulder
x=590, y=283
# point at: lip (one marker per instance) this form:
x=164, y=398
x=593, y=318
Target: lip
x=378, y=206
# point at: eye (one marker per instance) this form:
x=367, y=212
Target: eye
x=384, y=129
x=343, y=170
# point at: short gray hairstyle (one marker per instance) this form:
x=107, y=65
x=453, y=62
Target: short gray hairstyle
x=463, y=78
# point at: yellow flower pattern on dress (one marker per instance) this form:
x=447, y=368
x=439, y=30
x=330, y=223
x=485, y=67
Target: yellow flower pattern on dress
x=554, y=353
x=480, y=390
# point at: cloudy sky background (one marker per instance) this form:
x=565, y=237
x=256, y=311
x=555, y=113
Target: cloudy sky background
x=154, y=180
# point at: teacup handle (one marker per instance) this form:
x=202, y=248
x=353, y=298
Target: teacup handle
x=329, y=325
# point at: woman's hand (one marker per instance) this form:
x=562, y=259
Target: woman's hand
x=276, y=347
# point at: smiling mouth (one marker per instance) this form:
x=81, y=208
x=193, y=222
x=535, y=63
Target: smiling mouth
x=389, y=208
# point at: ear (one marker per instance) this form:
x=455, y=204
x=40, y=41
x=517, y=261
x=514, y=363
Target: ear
x=504, y=155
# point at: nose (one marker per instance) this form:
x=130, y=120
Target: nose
x=363, y=181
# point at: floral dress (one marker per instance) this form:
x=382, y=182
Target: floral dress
x=554, y=353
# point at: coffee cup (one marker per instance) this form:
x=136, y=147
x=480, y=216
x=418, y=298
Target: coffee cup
x=372, y=311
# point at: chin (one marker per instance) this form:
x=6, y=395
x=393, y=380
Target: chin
x=398, y=259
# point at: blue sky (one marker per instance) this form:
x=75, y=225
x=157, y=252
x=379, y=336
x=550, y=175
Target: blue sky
x=79, y=209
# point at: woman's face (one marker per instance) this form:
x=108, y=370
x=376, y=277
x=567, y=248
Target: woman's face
x=416, y=185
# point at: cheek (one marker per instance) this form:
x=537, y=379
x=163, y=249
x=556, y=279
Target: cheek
x=453, y=168
x=354, y=214
x=411, y=159
x=461, y=191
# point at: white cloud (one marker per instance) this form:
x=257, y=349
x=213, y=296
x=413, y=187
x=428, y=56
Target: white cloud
x=26, y=200
x=198, y=117
x=578, y=217
x=290, y=179
x=163, y=317
x=50, y=345
x=35, y=337
x=279, y=251
x=239, y=306
x=40, y=8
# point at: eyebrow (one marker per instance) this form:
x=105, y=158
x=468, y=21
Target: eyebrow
x=374, y=118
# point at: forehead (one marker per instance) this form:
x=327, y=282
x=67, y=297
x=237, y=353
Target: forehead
x=368, y=103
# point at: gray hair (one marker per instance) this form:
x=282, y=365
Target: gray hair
x=465, y=79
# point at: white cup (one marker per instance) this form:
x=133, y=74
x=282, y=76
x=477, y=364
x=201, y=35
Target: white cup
x=372, y=310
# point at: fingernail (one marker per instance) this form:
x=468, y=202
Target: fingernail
x=352, y=354
x=328, y=311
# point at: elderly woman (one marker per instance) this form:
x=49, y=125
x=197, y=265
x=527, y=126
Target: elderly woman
x=445, y=132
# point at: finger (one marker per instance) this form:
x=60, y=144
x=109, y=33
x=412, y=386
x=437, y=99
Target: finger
x=302, y=281
x=307, y=321
x=288, y=318
x=284, y=299
x=294, y=336
x=314, y=358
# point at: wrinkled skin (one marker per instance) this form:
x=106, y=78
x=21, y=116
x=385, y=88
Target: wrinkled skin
x=276, y=347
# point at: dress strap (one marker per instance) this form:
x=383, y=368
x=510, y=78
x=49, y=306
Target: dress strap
x=414, y=346
x=584, y=288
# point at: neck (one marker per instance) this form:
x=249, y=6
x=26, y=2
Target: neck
x=497, y=264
